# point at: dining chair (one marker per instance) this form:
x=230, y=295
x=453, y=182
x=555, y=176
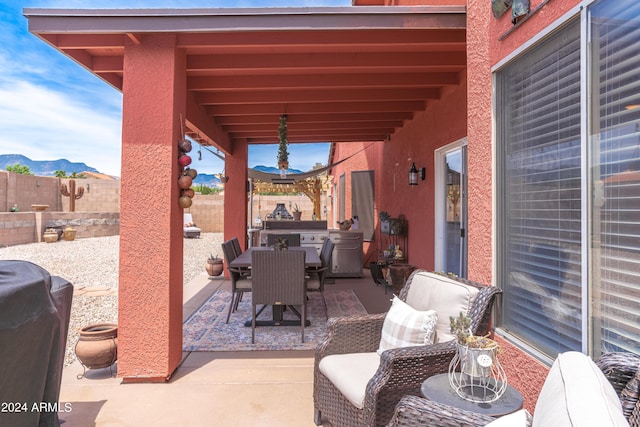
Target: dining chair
x=278, y=279
x=240, y=281
x=317, y=275
x=293, y=239
x=238, y=251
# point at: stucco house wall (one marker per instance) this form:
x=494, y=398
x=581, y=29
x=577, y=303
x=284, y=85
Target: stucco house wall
x=443, y=121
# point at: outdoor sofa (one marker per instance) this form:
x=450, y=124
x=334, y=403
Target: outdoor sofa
x=576, y=392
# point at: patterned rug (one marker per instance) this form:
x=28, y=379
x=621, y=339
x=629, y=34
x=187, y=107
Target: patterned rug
x=206, y=330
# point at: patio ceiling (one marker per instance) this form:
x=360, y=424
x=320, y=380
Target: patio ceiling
x=340, y=74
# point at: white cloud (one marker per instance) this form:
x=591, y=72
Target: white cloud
x=44, y=124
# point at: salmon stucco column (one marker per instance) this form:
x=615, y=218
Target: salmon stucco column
x=235, y=193
x=480, y=149
x=151, y=241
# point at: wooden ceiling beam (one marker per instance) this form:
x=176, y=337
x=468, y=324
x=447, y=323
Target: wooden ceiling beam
x=317, y=96
x=343, y=107
x=353, y=81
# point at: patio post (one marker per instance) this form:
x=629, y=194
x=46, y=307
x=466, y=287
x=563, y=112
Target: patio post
x=151, y=243
x=235, y=194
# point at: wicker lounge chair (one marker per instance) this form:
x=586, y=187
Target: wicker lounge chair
x=189, y=228
x=400, y=371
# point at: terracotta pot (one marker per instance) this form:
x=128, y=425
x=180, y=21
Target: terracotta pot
x=214, y=267
x=69, y=234
x=51, y=236
x=98, y=345
x=296, y=215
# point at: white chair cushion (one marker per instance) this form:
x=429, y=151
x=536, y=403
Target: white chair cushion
x=350, y=373
x=576, y=393
x=405, y=326
x=447, y=297
x=516, y=419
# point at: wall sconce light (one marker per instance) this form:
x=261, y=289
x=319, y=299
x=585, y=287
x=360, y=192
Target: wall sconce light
x=88, y=187
x=414, y=173
x=37, y=183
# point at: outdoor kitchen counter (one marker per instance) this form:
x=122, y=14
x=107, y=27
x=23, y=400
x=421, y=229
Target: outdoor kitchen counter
x=346, y=260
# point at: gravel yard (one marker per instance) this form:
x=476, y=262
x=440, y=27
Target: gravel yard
x=92, y=266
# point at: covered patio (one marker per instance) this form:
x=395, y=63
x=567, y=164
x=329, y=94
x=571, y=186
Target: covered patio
x=224, y=77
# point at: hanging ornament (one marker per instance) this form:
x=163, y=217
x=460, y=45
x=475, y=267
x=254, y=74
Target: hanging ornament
x=185, y=202
x=192, y=173
x=184, y=181
x=184, y=145
x=184, y=160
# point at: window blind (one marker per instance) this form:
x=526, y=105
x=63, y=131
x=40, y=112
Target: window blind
x=614, y=160
x=538, y=136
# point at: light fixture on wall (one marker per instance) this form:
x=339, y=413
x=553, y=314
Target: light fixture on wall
x=415, y=173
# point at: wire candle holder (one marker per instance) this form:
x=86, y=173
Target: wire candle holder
x=476, y=374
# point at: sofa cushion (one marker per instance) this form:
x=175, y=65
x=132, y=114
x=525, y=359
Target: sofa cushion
x=516, y=419
x=446, y=296
x=576, y=393
x=405, y=326
x=350, y=373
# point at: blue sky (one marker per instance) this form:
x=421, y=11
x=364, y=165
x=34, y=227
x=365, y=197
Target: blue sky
x=51, y=108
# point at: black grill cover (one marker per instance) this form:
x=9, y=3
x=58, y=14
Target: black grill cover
x=34, y=321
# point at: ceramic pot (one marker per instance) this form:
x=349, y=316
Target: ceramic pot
x=296, y=215
x=51, y=236
x=69, y=234
x=214, y=267
x=98, y=345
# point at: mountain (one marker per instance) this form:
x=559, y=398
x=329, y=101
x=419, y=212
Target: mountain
x=44, y=167
x=275, y=170
x=206, y=179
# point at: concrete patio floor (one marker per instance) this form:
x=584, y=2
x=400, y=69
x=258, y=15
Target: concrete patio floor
x=261, y=388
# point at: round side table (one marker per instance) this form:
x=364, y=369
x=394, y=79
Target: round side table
x=438, y=389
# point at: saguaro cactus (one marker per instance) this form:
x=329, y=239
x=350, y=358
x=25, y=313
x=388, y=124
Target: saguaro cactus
x=71, y=193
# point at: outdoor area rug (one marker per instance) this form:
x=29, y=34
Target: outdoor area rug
x=206, y=330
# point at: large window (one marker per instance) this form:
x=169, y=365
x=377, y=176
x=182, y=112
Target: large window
x=538, y=98
x=614, y=161
x=551, y=296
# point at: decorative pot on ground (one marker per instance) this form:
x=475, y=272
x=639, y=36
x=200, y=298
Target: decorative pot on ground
x=98, y=345
x=214, y=266
x=69, y=233
x=50, y=235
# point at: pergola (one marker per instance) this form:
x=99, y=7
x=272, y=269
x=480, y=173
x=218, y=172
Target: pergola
x=224, y=76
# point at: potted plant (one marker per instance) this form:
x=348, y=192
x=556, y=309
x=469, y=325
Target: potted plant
x=296, y=212
x=283, y=154
x=214, y=265
x=475, y=372
x=477, y=354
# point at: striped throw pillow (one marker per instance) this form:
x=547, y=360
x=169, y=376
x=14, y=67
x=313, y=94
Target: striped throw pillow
x=405, y=326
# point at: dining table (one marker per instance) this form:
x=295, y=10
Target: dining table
x=312, y=259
